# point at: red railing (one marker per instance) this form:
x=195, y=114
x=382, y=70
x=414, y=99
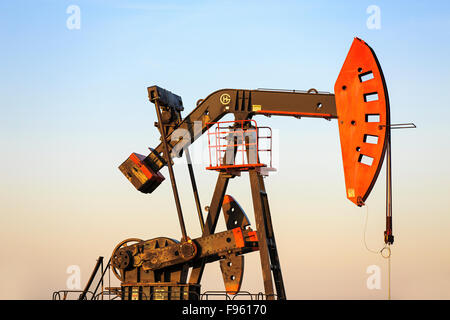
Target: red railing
x=239, y=145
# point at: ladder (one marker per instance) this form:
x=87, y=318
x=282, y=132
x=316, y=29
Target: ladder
x=270, y=262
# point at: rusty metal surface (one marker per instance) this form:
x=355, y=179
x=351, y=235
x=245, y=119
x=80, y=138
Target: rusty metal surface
x=233, y=213
x=270, y=263
x=160, y=253
x=159, y=291
x=120, y=262
x=232, y=268
x=141, y=175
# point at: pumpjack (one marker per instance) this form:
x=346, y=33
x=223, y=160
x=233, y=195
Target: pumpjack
x=158, y=268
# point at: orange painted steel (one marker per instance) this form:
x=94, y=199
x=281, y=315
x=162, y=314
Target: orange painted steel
x=362, y=105
x=238, y=237
x=253, y=236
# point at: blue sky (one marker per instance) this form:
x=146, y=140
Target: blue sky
x=74, y=106
x=193, y=48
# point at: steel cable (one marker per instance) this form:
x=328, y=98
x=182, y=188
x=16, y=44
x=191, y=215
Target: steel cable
x=385, y=256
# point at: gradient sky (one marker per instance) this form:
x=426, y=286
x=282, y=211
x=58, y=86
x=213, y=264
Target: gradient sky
x=74, y=106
